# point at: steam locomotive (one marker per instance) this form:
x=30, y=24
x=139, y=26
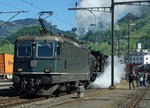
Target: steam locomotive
x=45, y=64
x=142, y=68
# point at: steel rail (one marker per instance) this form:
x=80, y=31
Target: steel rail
x=21, y=102
x=4, y=100
x=139, y=98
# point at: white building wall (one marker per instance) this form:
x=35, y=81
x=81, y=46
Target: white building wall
x=146, y=59
x=137, y=59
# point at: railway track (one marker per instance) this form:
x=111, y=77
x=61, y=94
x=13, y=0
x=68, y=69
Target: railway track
x=17, y=101
x=136, y=99
x=139, y=99
x=22, y=101
x=143, y=100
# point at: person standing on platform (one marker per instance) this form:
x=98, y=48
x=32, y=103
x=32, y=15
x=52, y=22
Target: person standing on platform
x=145, y=79
x=131, y=78
x=137, y=79
x=141, y=80
x=148, y=77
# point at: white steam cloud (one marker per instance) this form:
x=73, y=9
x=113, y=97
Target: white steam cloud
x=104, y=80
x=85, y=18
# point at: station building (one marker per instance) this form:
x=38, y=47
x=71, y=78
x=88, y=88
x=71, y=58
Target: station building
x=140, y=57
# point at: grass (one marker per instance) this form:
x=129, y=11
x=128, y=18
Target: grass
x=6, y=48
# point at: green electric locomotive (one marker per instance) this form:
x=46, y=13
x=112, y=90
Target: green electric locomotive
x=44, y=64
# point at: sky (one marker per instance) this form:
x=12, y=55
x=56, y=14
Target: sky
x=62, y=17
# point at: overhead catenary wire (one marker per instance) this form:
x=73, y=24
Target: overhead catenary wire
x=14, y=12
x=10, y=5
x=14, y=7
x=31, y=4
x=63, y=21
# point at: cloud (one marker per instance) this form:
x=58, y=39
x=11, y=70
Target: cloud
x=104, y=80
x=84, y=19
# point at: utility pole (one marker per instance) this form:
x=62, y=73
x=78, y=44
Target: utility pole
x=51, y=28
x=128, y=43
x=119, y=48
x=112, y=44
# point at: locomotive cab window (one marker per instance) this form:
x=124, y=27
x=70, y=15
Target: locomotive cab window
x=45, y=49
x=24, y=49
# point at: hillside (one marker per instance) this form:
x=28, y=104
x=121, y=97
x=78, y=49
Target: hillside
x=7, y=44
x=17, y=25
x=99, y=40
x=33, y=31
x=141, y=28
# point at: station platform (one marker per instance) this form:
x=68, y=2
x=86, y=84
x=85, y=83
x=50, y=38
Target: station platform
x=120, y=97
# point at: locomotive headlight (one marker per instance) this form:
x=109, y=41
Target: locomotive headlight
x=33, y=63
x=20, y=69
x=33, y=43
x=47, y=70
x=16, y=79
